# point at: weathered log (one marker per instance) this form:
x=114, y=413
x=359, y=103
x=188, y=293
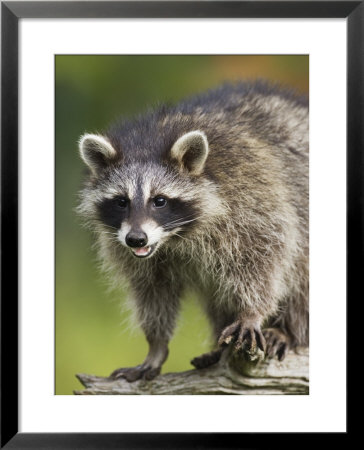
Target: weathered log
x=231, y=375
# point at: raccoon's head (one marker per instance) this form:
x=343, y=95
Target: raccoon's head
x=144, y=202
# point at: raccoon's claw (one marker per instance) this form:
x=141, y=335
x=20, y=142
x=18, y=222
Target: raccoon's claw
x=207, y=359
x=247, y=338
x=277, y=343
x=228, y=333
x=136, y=373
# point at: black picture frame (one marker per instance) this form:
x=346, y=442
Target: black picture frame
x=11, y=12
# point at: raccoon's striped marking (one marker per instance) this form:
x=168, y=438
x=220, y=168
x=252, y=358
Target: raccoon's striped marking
x=137, y=215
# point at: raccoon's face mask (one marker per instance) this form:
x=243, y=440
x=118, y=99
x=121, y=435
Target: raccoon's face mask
x=146, y=203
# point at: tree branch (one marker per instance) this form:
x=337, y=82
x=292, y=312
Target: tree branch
x=231, y=375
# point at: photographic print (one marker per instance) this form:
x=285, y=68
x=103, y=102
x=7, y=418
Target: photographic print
x=70, y=322
x=182, y=241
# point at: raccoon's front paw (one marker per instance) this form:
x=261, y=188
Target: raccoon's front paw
x=277, y=343
x=136, y=373
x=247, y=338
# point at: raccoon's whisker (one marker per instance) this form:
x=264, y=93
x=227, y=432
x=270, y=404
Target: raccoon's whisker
x=179, y=219
x=182, y=237
x=184, y=217
x=177, y=224
x=109, y=232
x=184, y=222
x=109, y=226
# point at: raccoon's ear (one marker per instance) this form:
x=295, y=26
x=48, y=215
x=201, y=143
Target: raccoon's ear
x=96, y=151
x=191, y=151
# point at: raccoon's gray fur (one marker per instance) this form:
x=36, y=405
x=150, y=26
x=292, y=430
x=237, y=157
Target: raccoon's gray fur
x=211, y=194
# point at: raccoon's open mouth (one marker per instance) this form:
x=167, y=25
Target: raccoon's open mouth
x=143, y=252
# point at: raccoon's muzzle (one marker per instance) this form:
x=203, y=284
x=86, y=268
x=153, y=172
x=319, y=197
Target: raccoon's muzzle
x=137, y=241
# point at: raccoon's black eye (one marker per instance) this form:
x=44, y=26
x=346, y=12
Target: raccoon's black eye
x=123, y=202
x=159, y=202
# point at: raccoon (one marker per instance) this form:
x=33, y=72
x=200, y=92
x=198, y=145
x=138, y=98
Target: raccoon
x=210, y=194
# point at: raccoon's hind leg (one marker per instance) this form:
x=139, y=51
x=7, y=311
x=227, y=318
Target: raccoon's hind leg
x=278, y=343
x=207, y=359
x=290, y=327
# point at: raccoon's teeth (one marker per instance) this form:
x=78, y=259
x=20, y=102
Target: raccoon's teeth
x=142, y=251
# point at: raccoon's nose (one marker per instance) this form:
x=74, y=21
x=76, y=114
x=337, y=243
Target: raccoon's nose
x=136, y=239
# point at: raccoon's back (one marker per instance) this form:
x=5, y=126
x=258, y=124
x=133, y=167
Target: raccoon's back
x=258, y=138
x=230, y=116
x=250, y=127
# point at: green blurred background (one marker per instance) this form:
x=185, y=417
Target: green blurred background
x=93, y=334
